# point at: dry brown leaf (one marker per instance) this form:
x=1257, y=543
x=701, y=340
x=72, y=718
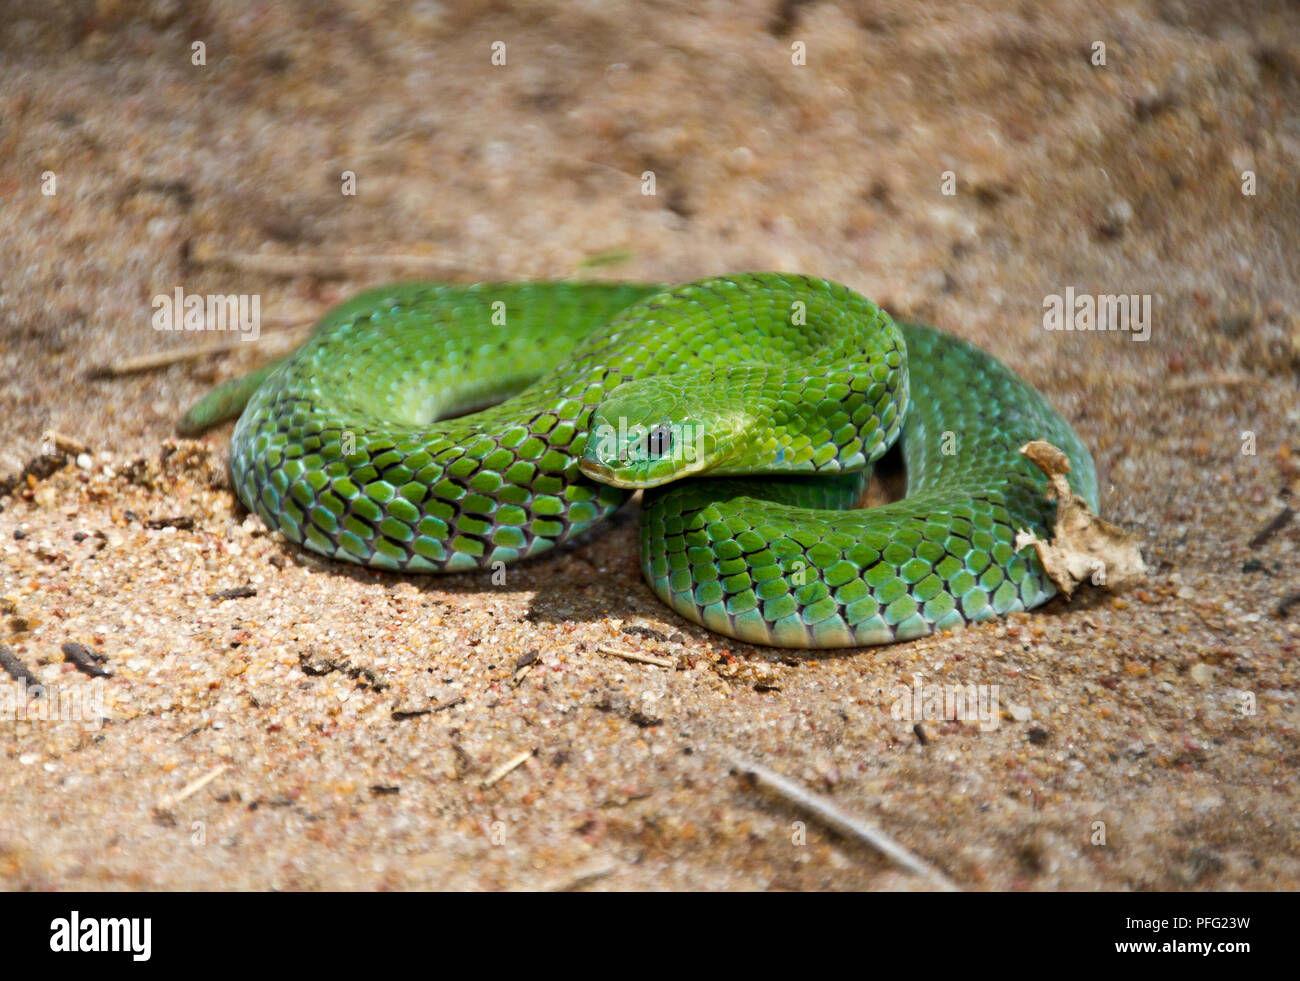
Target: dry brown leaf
x=1083, y=546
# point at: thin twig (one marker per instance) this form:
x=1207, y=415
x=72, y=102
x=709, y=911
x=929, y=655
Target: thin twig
x=167, y=802
x=85, y=660
x=1210, y=381
x=1273, y=527
x=826, y=811
x=340, y=266
x=662, y=662
x=584, y=162
x=575, y=882
x=64, y=443
x=15, y=668
x=513, y=763
x=162, y=359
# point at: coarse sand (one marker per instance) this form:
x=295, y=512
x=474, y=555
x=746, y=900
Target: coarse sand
x=275, y=720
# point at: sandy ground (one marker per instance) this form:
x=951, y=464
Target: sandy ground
x=329, y=727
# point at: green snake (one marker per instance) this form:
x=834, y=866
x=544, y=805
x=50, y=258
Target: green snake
x=441, y=428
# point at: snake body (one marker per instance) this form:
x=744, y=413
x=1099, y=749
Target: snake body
x=771, y=394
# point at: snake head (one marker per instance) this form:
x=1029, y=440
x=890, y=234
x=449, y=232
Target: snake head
x=643, y=434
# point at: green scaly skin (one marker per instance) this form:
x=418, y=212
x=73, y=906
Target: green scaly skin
x=772, y=393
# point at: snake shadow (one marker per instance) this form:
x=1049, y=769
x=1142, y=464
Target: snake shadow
x=597, y=576
x=592, y=578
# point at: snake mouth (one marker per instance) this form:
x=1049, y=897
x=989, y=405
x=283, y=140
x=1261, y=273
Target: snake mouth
x=596, y=470
x=631, y=479
x=605, y=474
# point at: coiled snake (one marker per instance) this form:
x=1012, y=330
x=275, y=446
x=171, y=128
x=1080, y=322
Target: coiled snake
x=771, y=394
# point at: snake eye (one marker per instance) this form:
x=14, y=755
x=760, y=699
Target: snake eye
x=660, y=441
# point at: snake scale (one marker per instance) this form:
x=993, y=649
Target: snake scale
x=441, y=428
